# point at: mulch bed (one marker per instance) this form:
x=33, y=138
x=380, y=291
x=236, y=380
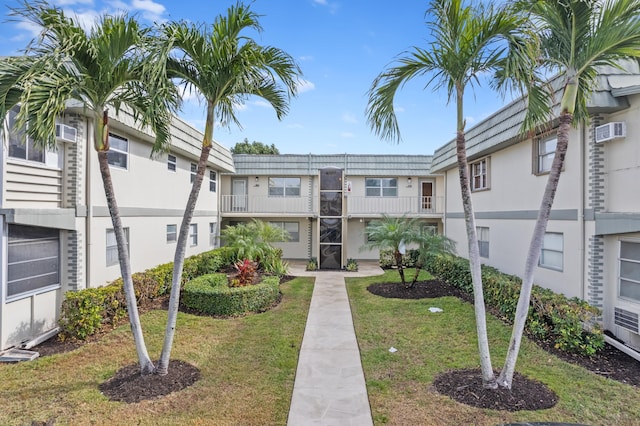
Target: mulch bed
x=128, y=385
x=465, y=386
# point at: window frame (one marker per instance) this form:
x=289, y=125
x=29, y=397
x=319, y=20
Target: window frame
x=551, y=250
x=193, y=234
x=213, y=180
x=282, y=224
x=297, y=188
x=173, y=233
x=114, y=246
x=15, y=136
x=118, y=151
x=484, y=175
x=213, y=234
x=619, y=276
x=172, y=163
x=193, y=168
x=381, y=187
x=484, y=245
x=538, y=157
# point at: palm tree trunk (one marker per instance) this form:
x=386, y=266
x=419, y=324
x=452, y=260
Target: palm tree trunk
x=488, y=378
x=506, y=375
x=398, y=257
x=178, y=260
x=146, y=365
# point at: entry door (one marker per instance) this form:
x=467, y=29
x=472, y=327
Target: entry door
x=239, y=201
x=426, y=196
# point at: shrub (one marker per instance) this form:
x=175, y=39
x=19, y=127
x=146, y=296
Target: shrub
x=246, y=273
x=551, y=317
x=352, y=265
x=210, y=294
x=312, y=264
x=387, y=261
x=85, y=312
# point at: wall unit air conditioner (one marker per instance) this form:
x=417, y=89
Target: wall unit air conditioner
x=626, y=319
x=610, y=131
x=66, y=133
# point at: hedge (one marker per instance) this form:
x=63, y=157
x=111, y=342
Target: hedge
x=86, y=312
x=553, y=317
x=212, y=295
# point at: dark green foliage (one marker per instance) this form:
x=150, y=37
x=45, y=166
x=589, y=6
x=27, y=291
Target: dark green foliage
x=85, y=312
x=211, y=294
x=552, y=316
x=254, y=147
x=387, y=261
x=352, y=265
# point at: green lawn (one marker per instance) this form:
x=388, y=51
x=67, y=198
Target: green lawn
x=247, y=370
x=430, y=343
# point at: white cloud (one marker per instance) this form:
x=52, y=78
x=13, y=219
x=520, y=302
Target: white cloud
x=30, y=27
x=307, y=58
x=347, y=117
x=399, y=109
x=72, y=2
x=305, y=85
x=347, y=135
x=470, y=120
x=86, y=19
x=150, y=10
x=261, y=103
x=295, y=126
x=322, y=2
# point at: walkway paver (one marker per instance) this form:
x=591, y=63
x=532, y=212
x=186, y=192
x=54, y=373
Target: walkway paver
x=329, y=387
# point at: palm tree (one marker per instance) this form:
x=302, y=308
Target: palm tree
x=577, y=37
x=104, y=68
x=468, y=42
x=432, y=244
x=224, y=67
x=393, y=233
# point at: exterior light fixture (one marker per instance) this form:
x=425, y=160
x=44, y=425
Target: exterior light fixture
x=409, y=182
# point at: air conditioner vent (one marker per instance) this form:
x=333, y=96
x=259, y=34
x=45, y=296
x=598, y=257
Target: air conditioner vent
x=626, y=319
x=610, y=131
x=65, y=133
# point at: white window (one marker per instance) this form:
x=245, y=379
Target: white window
x=33, y=260
x=479, y=172
x=551, y=255
x=629, y=270
x=213, y=234
x=293, y=228
x=194, y=171
x=482, y=232
x=172, y=233
x=172, y=162
x=112, y=246
x=381, y=187
x=284, y=187
x=546, y=150
x=193, y=234
x=212, y=181
x=18, y=146
x=118, y=154
x=429, y=228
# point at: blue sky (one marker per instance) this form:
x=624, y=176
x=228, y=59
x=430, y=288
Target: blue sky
x=341, y=47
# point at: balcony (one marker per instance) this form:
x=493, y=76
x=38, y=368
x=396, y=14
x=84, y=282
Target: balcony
x=375, y=206
x=244, y=205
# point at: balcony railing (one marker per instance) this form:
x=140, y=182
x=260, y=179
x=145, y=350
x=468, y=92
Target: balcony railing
x=360, y=205
x=262, y=204
x=355, y=205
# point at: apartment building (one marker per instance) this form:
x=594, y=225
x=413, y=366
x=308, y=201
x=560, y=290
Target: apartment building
x=55, y=230
x=592, y=246
x=326, y=201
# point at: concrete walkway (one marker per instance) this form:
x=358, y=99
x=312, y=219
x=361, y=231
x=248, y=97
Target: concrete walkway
x=329, y=387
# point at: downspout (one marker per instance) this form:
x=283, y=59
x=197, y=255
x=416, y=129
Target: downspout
x=88, y=221
x=581, y=221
